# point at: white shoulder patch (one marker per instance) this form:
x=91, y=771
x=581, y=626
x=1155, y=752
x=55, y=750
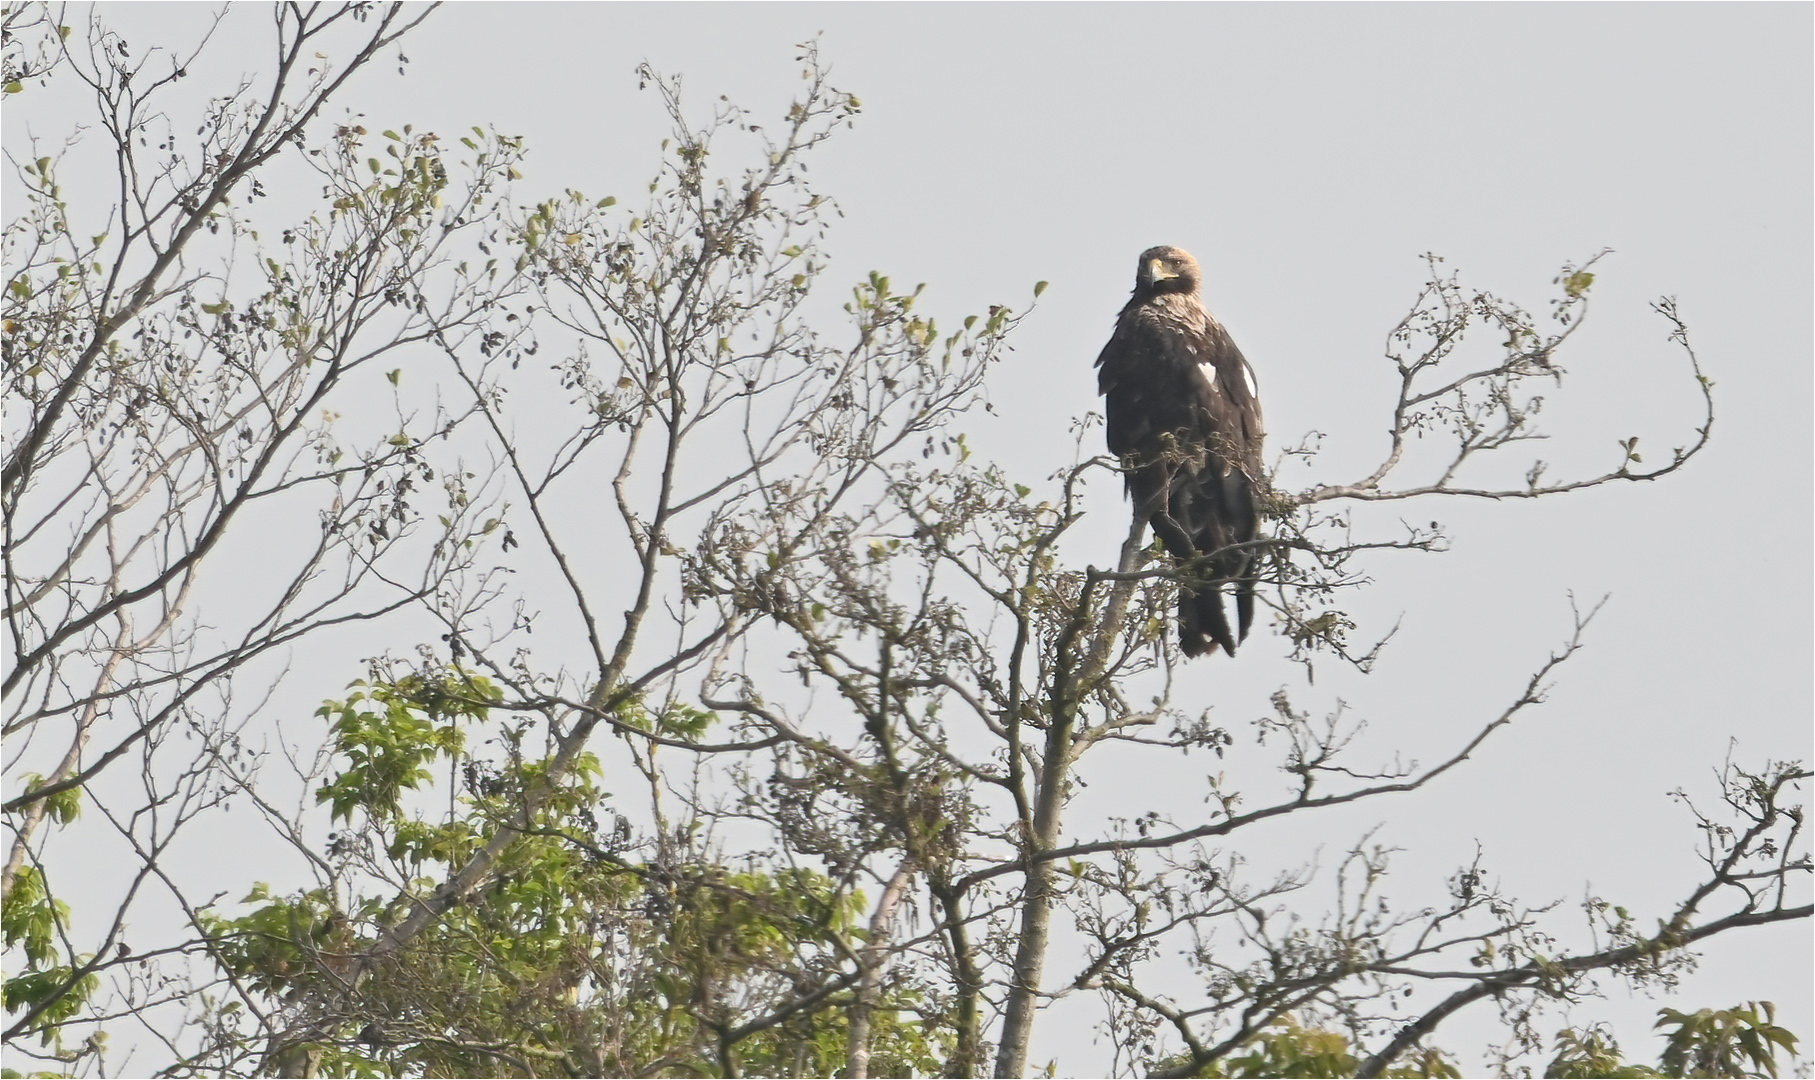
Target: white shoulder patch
x=1209, y=371
x=1248, y=377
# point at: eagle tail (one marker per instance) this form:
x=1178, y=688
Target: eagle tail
x=1203, y=626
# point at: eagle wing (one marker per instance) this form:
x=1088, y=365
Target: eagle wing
x=1160, y=377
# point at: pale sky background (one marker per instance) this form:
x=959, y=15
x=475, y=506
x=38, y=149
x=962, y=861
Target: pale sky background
x=1307, y=154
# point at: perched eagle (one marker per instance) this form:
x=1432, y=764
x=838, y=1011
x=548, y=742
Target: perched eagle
x=1184, y=417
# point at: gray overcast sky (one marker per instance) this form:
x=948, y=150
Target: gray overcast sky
x=1308, y=154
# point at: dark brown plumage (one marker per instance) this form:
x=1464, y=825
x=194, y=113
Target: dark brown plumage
x=1184, y=416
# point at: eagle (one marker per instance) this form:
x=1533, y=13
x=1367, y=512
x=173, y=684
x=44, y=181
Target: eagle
x=1184, y=417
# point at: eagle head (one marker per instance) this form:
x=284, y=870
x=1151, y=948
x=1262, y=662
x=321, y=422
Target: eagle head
x=1167, y=269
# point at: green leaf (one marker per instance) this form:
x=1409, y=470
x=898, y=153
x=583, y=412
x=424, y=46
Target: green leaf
x=15, y=87
x=1040, y=287
x=65, y=806
x=1577, y=283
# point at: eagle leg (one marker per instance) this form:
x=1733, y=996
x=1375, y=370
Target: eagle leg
x=1173, y=536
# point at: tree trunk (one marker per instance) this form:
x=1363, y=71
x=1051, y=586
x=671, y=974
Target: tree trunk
x=1036, y=907
x=874, y=957
x=1036, y=904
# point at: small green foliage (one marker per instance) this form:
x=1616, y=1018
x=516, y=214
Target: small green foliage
x=29, y=919
x=388, y=734
x=1742, y=1041
x=58, y=989
x=1329, y=627
x=1288, y=1049
x=1592, y=1054
x=1577, y=283
x=63, y=807
x=281, y=942
x=675, y=720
